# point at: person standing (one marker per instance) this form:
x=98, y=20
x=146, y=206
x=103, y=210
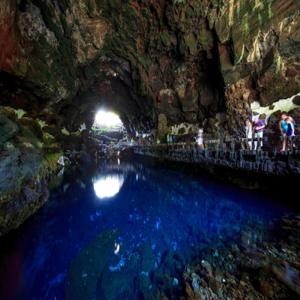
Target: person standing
x=259, y=127
x=249, y=133
x=291, y=132
x=287, y=128
x=283, y=127
x=199, y=138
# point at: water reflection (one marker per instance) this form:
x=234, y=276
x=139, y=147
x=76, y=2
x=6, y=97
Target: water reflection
x=108, y=186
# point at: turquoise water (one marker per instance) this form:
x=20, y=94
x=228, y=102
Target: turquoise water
x=127, y=231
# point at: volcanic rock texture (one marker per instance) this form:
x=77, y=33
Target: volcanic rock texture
x=191, y=60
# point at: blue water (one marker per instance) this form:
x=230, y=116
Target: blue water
x=127, y=231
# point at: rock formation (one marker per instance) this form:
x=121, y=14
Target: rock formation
x=187, y=59
x=28, y=156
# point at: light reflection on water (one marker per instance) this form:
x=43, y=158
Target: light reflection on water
x=108, y=186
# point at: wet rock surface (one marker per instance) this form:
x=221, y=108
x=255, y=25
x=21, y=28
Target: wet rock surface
x=28, y=156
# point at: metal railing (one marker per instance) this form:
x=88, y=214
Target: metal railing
x=270, y=143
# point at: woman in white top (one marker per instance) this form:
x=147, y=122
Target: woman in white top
x=249, y=133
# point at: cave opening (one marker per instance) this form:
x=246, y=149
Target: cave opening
x=107, y=120
x=108, y=128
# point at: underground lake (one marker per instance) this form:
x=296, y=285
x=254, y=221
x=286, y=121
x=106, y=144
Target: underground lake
x=137, y=231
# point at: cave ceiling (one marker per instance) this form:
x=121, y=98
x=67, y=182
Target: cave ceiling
x=189, y=60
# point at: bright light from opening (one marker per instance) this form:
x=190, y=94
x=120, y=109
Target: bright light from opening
x=107, y=119
x=108, y=186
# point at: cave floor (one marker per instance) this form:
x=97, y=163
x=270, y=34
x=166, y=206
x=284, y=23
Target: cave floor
x=131, y=231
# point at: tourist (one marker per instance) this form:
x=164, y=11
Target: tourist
x=249, y=133
x=199, y=138
x=174, y=139
x=169, y=137
x=259, y=126
x=291, y=131
x=283, y=127
x=287, y=129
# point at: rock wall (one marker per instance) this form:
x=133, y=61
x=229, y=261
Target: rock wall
x=28, y=157
x=187, y=59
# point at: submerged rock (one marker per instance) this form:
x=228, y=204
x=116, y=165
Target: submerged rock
x=270, y=271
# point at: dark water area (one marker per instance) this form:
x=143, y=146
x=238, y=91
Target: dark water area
x=127, y=231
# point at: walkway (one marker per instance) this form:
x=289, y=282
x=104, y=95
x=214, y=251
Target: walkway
x=229, y=155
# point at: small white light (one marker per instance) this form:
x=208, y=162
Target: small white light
x=117, y=248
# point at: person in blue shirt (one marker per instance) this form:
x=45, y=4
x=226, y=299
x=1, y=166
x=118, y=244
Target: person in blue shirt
x=287, y=129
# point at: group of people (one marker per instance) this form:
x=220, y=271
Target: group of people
x=255, y=132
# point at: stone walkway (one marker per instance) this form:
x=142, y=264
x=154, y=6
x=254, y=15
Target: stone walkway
x=268, y=162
